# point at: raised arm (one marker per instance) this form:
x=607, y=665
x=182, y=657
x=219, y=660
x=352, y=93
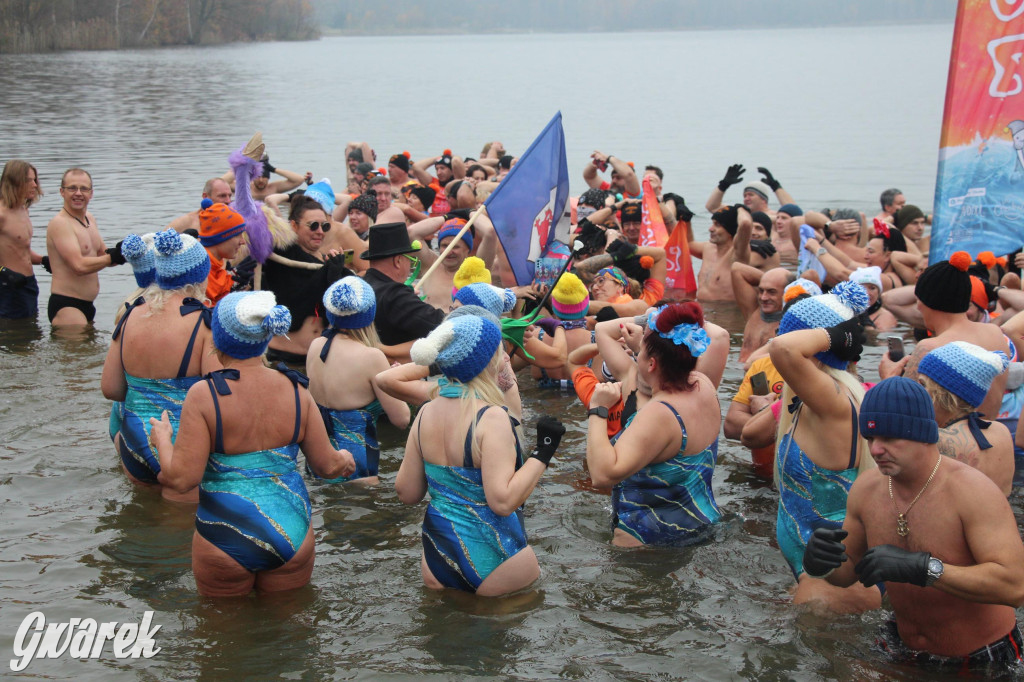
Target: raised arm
x=793, y=356
x=406, y=383
x=505, y=488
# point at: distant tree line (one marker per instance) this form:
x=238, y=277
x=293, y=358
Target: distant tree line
x=458, y=16
x=46, y=25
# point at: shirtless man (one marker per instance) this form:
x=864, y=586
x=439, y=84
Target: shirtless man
x=438, y=288
x=623, y=178
x=892, y=200
x=714, y=281
x=77, y=253
x=937, y=532
x=944, y=296
x=19, y=291
x=216, y=190
x=763, y=296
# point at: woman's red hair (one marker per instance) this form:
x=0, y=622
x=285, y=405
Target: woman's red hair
x=674, y=362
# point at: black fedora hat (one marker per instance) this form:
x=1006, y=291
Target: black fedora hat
x=388, y=239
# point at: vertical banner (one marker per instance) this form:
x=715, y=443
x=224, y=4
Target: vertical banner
x=680, y=281
x=652, y=224
x=979, y=192
x=528, y=205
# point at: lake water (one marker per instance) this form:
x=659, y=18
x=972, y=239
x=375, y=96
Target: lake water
x=837, y=114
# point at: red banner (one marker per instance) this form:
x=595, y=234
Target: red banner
x=652, y=229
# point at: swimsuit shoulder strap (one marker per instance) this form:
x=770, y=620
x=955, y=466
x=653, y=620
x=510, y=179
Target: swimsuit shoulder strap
x=297, y=378
x=328, y=334
x=119, y=329
x=467, y=450
x=856, y=434
x=217, y=383
x=976, y=424
x=189, y=306
x=682, y=426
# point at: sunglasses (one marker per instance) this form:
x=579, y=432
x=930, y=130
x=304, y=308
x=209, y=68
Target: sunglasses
x=412, y=259
x=325, y=226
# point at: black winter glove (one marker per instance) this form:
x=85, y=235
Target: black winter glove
x=825, y=551
x=769, y=179
x=889, y=563
x=847, y=339
x=268, y=168
x=243, y=273
x=762, y=247
x=682, y=211
x=335, y=268
x=116, y=257
x=607, y=313
x=46, y=264
x=191, y=232
x=549, y=435
x=733, y=175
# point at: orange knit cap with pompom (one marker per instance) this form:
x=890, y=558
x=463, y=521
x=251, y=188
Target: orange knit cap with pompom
x=646, y=262
x=961, y=260
x=407, y=155
x=987, y=258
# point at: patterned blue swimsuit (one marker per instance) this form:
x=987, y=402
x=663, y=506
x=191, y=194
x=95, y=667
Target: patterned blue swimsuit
x=150, y=397
x=671, y=502
x=463, y=539
x=254, y=506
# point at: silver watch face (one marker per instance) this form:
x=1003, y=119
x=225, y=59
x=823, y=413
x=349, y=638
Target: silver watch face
x=934, y=568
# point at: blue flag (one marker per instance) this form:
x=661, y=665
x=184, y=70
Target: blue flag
x=530, y=202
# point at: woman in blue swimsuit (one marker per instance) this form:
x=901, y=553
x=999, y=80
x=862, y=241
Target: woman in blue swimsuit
x=341, y=365
x=659, y=467
x=160, y=348
x=241, y=430
x=819, y=451
x=464, y=450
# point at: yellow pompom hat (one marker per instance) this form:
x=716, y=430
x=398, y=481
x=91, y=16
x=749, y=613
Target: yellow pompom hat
x=569, y=299
x=471, y=271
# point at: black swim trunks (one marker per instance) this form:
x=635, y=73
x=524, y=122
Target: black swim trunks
x=1000, y=655
x=59, y=301
x=19, y=295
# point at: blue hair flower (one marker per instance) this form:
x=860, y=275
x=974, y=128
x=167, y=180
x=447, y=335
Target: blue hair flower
x=689, y=334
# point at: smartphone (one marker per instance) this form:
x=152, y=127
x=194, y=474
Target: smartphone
x=895, y=348
x=759, y=384
x=350, y=257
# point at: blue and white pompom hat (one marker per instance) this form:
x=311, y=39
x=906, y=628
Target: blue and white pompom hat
x=461, y=347
x=845, y=301
x=180, y=260
x=963, y=369
x=139, y=252
x=350, y=303
x=245, y=321
x=487, y=296
x=323, y=193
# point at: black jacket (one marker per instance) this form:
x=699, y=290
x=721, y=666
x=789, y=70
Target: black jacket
x=401, y=315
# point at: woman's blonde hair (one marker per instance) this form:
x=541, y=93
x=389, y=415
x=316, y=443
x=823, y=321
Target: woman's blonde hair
x=365, y=335
x=856, y=392
x=482, y=387
x=951, y=403
x=157, y=297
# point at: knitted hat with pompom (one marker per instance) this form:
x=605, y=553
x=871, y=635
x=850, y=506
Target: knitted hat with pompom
x=946, y=286
x=245, y=321
x=843, y=302
x=462, y=347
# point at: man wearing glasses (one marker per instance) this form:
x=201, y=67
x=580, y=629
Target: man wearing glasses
x=76, y=254
x=19, y=291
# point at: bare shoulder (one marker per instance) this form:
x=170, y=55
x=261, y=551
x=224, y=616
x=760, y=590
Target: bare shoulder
x=970, y=486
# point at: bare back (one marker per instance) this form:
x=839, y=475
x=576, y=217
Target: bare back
x=345, y=381
x=153, y=345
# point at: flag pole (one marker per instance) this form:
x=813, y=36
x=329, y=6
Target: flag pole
x=451, y=245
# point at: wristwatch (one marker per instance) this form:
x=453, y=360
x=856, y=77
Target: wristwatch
x=601, y=412
x=822, y=251
x=935, y=569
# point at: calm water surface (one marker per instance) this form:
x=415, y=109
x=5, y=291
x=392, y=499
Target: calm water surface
x=837, y=114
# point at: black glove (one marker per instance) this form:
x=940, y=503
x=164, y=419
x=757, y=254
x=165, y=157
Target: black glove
x=733, y=176
x=548, y=324
x=889, y=563
x=607, y=313
x=46, y=264
x=191, y=232
x=769, y=179
x=621, y=251
x=116, y=257
x=462, y=213
x=825, y=551
x=682, y=211
x=335, y=268
x=549, y=435
x=847, y=339
x=243, y=273
x=268, y=168
x=296, y=193
x=762, y=247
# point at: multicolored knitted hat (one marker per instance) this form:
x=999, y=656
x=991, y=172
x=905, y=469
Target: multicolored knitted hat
x=963, y=369
x=139, y=252
x=323, y=193
x=367, y=203
x=453, y=227
x=350, y=303
x=462, y=347
x=218, y=223
x=845, y=301
x=945, y=286
x=245, y=321
x=569, y=299
x=400, y=161
x=487, y=296
x=180, y=260
x=471, y=271
x=868, y=275
x=898, y=407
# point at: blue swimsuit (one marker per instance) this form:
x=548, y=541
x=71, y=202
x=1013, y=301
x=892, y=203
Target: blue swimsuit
x=254, y=506
x=671, y=502
x=810, y=496
x=353, y=430
x=463, y=539
x=150, y=397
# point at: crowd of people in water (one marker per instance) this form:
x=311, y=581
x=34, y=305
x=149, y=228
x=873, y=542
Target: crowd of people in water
x=234, y=355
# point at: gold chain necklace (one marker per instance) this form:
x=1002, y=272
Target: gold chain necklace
x=902, y=528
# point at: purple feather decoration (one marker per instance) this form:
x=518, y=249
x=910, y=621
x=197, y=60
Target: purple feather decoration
x=261, y=243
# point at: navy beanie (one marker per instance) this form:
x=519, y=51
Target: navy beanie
x=898, y=407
